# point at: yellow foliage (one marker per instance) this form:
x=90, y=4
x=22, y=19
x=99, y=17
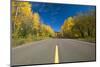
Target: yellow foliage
x=47, y=30
x=50, y=30
x=68, y=24
x=36, y=21
x=21, y=7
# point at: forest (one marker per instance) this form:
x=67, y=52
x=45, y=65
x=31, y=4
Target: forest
x=83, y=25
x=27, y=27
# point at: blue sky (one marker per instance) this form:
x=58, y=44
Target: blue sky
x=54, y=14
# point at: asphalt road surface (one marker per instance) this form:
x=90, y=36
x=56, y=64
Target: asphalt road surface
x=53, y=51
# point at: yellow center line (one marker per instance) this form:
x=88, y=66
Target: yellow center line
x=56, y=58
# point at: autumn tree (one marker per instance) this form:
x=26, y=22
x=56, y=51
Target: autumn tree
x=50, y=31
x=83, y=25
x=47, y=31
x=66, y=29
x=36, y=24
x=21, y=12
x=26, y=25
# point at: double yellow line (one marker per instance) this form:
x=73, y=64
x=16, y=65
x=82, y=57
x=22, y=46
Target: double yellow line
x=56, y=57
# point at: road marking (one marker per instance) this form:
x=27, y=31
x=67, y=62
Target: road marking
x=56, y=59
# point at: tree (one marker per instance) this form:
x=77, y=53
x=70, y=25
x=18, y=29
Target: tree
x=36, y=24
x=67, y=27
x=21, y=15
x=47, y=31
x=82, y=25
x=85, y=24
x=26, y=25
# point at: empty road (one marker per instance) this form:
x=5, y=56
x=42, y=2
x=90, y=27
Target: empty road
x=53, y=51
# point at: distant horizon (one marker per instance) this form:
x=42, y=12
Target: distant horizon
x=54, y=14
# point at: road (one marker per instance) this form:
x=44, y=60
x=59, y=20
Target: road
x=53, y=51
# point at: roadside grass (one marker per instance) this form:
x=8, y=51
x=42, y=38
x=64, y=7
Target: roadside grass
x=88, y=39
x=22, y=41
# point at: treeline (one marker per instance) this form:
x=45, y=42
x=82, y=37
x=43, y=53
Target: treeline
x=26, y=25
x=83, y=25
